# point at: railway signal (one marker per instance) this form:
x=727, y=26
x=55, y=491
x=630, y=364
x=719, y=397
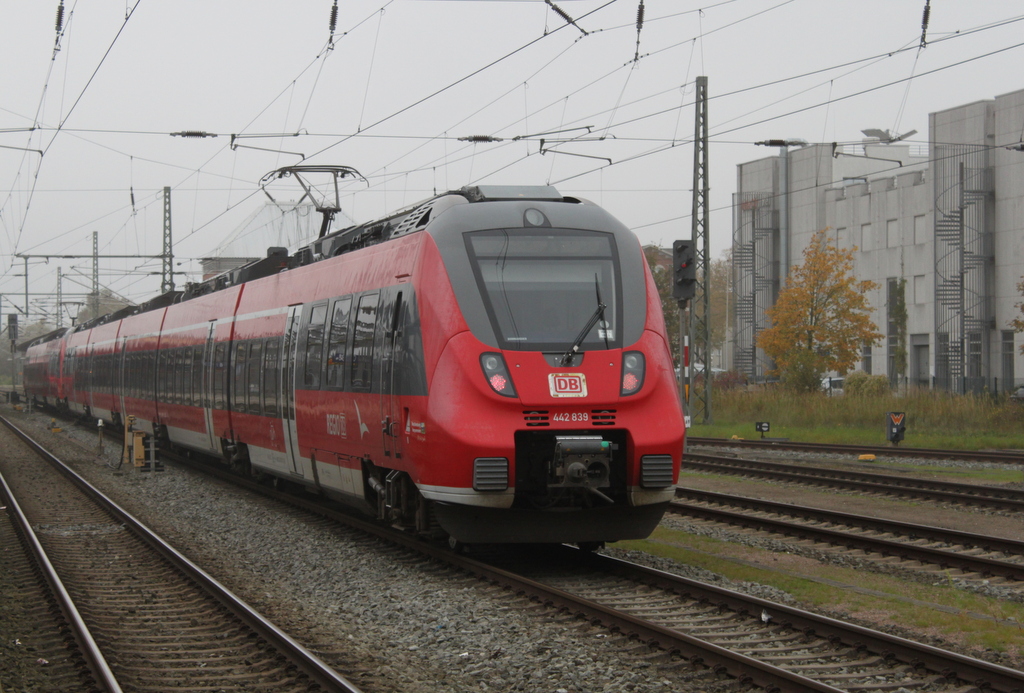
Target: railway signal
x=684, y=271
x=895, y=426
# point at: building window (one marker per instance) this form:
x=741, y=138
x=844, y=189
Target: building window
x=974, y=362
x=919, y=290
x=919, y=356
x=867, y=242
x=892, y=233
x=895, y=314
x=920, y=230
x=1008, y=353
x=865, y=358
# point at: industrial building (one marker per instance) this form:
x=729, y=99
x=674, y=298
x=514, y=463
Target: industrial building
x=946, y=218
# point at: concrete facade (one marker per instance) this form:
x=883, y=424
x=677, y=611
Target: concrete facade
x=947, y=221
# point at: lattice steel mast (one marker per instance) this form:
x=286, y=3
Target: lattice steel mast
x=699, y=403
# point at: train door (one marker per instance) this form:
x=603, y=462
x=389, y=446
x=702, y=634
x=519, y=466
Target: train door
x=288, y=357
x=390, y=407
x=207, y=385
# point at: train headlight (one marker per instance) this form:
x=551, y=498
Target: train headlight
x=633, y=367
x=497, y=375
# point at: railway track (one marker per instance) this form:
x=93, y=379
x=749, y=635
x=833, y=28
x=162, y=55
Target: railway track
x=1006, y=456
x=975, y=556
x=37, y=645
x=991, y=497
x=718, y=631
x=144, y=616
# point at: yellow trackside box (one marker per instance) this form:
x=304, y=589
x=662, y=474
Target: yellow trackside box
x=139, y=448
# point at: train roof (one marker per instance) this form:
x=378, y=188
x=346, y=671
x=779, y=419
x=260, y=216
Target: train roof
x=404, y=222
x=42, y=339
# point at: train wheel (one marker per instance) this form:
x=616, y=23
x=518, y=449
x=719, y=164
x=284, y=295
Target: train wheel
x=456, y=545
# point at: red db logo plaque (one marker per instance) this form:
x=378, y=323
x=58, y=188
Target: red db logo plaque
x=567, y=384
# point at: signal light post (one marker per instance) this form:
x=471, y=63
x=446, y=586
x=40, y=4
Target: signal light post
x=684, y=271
x=684, y=288
x=12, y=333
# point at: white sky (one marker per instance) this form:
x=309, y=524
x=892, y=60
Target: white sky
x=407, y=78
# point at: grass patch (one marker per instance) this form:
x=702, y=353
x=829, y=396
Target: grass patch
x=802, y=576
x=934, y=419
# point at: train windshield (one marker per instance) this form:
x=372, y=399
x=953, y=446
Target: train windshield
x=542, y=287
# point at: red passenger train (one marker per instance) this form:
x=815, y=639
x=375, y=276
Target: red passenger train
x=491, y=363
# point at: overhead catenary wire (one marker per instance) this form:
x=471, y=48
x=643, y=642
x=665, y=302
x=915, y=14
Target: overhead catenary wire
x=394, y=170
x=74, y=105
x=456, y=82
x=830, y=100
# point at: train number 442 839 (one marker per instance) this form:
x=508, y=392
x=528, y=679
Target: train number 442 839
x=570, y=416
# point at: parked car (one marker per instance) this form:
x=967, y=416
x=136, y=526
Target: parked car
x=832, y=385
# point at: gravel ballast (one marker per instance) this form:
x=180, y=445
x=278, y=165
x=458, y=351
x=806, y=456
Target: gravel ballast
x=387, y=621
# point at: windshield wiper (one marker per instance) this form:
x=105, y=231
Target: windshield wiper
x=598, y=315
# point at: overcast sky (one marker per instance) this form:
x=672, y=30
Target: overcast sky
x=85, y=130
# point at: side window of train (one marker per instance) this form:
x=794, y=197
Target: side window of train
x=186, y=376
x=197, y=376
x=220, y=375
x=177, y=371
x=314, y=348
x=362, y=342
x=151, y=374
x=238, y=390
x=337, y=343
x=170, y=369
x=253, y=378
x=163, y=373
x=132, y=373
x=271, y=375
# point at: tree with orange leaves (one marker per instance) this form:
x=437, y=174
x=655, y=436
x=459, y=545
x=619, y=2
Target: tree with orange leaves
x=820, y=319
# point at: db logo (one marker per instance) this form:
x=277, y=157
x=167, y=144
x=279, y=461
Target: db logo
x=567, y=384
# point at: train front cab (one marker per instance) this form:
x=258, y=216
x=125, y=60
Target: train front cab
x=559, y=401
